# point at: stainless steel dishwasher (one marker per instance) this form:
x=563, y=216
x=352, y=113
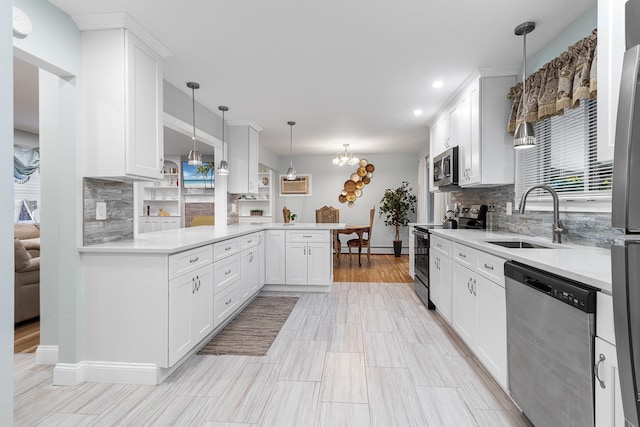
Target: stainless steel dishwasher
x=550, y=338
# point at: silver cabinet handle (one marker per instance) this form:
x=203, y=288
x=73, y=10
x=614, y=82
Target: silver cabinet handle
x=304, y=251
x=309, y=250
x=474, y=288
x=488, y=267
x=192, y=260
x=596, y=370
x=307, y=236
x=227, y=272
x=469, y=286
x=228, y=248
x=228, y=302
x=193, y=285
x=461, y=255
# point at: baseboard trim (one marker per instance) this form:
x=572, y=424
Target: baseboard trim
x=297, y=288
x=47, y=355
x=106, y=372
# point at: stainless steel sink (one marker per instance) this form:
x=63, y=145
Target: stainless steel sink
x=518, y=244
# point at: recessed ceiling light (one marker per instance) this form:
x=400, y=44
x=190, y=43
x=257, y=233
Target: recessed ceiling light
x=417, y=112
x=437, y=84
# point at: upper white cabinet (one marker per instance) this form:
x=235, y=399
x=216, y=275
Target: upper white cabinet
x=243, y=158
x=476, y=122
x=122, y=104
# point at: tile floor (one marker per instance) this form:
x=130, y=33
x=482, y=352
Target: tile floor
x=365, y=354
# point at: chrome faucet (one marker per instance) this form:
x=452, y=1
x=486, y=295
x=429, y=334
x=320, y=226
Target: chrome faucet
x=558, y=228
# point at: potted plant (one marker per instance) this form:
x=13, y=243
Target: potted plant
x=395, y=206
x=292, y=217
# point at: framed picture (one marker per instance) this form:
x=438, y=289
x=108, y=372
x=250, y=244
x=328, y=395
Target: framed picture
x=301, y=186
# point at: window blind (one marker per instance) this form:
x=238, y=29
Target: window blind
x=565, y=158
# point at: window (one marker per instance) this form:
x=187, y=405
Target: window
x=566, y=159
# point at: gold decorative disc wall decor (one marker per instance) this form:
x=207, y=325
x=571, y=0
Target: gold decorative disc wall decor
x=354, y=186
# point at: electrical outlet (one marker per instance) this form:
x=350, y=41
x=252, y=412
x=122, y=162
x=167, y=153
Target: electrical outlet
x=101, y=211
x=509, y=208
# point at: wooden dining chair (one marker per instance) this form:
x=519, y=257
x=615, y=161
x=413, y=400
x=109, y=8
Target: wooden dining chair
x=329, y=214
x=366, y=243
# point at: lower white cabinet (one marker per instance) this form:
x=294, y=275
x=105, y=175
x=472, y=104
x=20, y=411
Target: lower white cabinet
x=150, y=224
x=262, y=273
x=249, y=272
x=225, y=303
x=190, y=310
x=440, y=282
x=308, y=258
x=275, y=271
x=609, y=412
x=465, y=305
x=492, y=328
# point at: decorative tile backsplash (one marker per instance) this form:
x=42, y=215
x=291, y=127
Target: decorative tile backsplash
x=119, y=222
x=585, y=228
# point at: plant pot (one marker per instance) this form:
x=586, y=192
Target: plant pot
x=397, y=248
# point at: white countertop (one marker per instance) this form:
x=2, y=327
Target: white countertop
x=182, y=239
x=585, y=264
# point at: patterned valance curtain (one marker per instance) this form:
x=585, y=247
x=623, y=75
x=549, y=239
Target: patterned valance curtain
x=26, y=160
x=559, y=84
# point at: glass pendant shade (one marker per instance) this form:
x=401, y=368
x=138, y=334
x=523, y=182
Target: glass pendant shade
x=345, y=158
x=524, y=136
x=291, y=172
x=223, y=167
x=195, y=158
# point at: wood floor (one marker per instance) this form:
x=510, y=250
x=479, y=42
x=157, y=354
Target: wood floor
x=364, y=354
x=26, y=336
x=379, y=269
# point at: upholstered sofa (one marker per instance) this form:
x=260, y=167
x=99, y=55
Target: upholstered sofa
x=27, y=271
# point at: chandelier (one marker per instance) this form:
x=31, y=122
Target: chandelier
x=345, y=157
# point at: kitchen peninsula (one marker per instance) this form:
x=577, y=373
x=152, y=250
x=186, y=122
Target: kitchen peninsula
x=151, y=302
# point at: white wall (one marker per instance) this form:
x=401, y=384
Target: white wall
x=6, y=216
x=328, y=181
x=54, y=46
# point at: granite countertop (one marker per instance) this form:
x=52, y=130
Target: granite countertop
x=584, y=264
x=182, y=239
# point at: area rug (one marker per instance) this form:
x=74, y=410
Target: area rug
x=253, y=331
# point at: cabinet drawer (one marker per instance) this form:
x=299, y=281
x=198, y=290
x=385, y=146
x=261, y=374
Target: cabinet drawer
x=226, y=272
x=491, y=267
x=443, y=245
x=465, y=255
x=187, y=261
x=225, y=248
x=308, y=236
x=604, y=319
x=248, y=241
x=225, y=303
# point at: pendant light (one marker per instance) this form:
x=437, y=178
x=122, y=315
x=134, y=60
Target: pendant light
x=195, y=158
x=524, y=136
x=291, y=172
x=223, y=168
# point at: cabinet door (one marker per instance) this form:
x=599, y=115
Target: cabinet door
x=144, y=136
x=296, y=264
x=252, y=172
x=434, y=278
x=249, y=275
x=261, y=258
x=243, y=154
x=446, y=289
x=609, y=412
x=275, y=257
x=180, y=336
x=412, y=252
x=492, y=328
x=464, y=304
x=202, y=304
x=318, y=263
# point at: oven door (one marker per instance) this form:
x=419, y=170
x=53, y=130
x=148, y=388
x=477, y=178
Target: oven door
x=421, y=258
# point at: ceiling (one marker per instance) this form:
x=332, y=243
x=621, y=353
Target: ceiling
x=346, y=71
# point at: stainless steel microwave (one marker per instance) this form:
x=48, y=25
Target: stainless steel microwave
x=445, y=170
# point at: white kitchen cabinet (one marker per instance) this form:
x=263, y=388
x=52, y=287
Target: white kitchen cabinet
x=412, y=252
x=243, y=159
x=262, y=273
x=465, y=306
x=486, y=155
x=492, y=328
x=190, y=311
x=440, y=275
x=249, y=266
x=158, y=223
x=308, y=257
x=275, y=271
x=609, y=412
x=122, y=106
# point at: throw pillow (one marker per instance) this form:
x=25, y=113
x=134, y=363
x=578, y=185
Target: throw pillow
x=21, y=255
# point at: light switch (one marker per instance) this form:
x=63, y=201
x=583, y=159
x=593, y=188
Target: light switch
x=101, y=211
x=509, y=208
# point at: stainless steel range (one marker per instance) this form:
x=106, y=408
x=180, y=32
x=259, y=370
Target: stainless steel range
x=470, y=217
